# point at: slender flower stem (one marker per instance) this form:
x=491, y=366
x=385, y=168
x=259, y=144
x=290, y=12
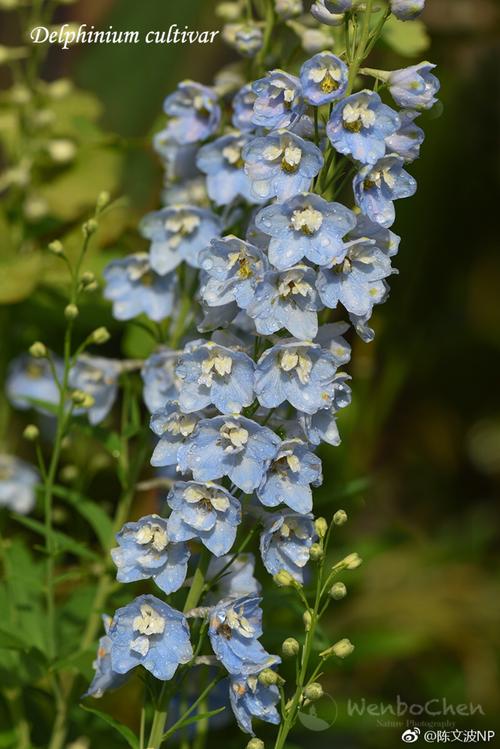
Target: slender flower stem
x=156, y=736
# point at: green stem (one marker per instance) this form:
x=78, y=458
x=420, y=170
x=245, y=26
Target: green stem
x=260, y=60
x=360, y=48
x=156, y=736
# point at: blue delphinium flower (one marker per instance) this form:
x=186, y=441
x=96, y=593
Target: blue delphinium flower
x=134, y=287
x=251, y=699
x=322, y=426
x=286, y=299
x=177, y=234
x=320, y=11
x=386, y=240
x=407, y=10
x=359, y=125
x=279, y=101
x=331, y=337
x=18, y=480
x=222, y=162
x=234, y=628
x=324, y=78
x=285, y=543
x=149, y=633
x=98, y=377
x=414, y=87
x=29, y=378
x=173, y=428
x=205, y=511
x=245, y=38
x=232, y=577
x=233, y=268
x=210, y=373
x=406, y=141
x=376, y=187
x=179, y=161
x=290, y=476
x=307, y=226
x=356, y=282
x=298, y=372
x=281, y=165
x=243, y=102
x=193, y=112
x=145, y=551
x=286, y=9
x=232, y=446
x=104, y=678
x=160, y=383
x=338, y=6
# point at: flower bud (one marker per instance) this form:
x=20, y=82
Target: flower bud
x=268, y=677
x=307, y=619
x=352, y=561
x=321, y=527
x=286, y=9
x=245, y=38
x=313, y=691
x=38, y=350
x=290, y=647
x=103, y=200
x=31, y=433
x=337, y=591
x=93, y=286
x=255, y=743
x=55, y=247
x=87, y=277
x=89, y=227
x=82, y=399
x=100, y=336
x=340, y=517
x=71, y=312
x=341, y=649
x=228, y=11
x=316, y=552
x=283, y=579
x=61, y=150
x=69, y=473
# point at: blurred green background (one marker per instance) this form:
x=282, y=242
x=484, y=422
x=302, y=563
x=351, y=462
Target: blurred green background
x=420, y=455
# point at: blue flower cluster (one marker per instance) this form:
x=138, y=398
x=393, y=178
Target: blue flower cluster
x=272, y=247
x=284, y=220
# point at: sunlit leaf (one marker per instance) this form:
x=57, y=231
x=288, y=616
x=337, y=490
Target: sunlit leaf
x=125, y=731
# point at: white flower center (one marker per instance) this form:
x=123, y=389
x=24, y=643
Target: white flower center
x=292, y=283
x=183, y=424
x=239, y=623
x=208, y=498
x=152, y=534
x=377, y=176
x=358, y=115
x=326, y=76
x=307, y=220
x=181, y=225
x=295, y=359
x=232, y=154
x=216, y=364
x=148, y=622
x=233, y=436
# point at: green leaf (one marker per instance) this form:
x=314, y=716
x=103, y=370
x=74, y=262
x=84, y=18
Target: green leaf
x=92, y=512
x=407, y=38
x=63, y=542
x=193, y=719
x=12, y=640
x=19, y=276
x=125, y=731
x=74, y=191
